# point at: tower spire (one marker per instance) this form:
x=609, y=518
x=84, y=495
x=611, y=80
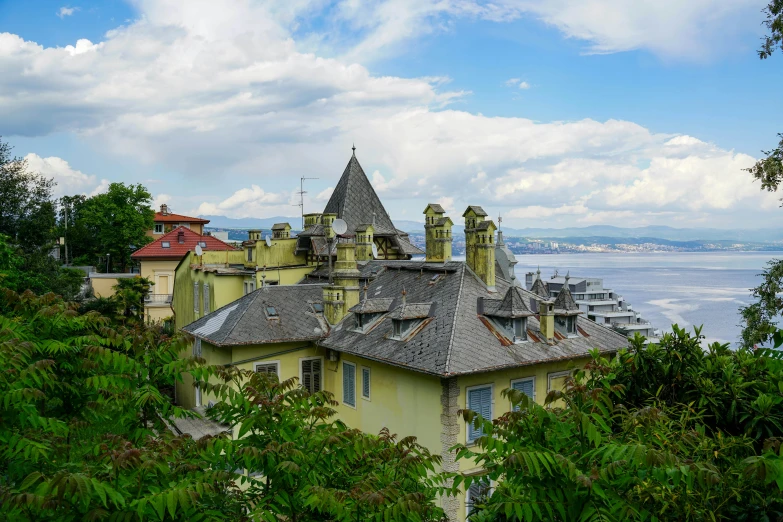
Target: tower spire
x=353, y=148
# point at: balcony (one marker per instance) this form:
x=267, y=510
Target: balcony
x=157, y=300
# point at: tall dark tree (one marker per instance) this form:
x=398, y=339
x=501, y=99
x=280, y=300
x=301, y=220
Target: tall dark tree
x=119, y=220
x=27, y=213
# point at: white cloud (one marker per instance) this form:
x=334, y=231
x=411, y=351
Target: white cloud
x=511, y=82
x=69, y=181
x=239, y=92
x=159, y=200
x=66, y=11
x=524, y=85
x=325, y=194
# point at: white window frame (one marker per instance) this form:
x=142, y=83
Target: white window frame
x=369, y=382
x=555, y=375
x=525, y=379
x=158, y=228
x=348, y=363
x=301, y=374
x=491, y=386
x=276, y=362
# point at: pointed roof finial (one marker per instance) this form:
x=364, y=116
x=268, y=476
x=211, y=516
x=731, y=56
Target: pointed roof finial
x=353, y=148
x=567, y=277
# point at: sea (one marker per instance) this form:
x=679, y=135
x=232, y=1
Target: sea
x=688, y=289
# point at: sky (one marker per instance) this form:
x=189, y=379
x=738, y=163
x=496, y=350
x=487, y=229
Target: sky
x=549, y=113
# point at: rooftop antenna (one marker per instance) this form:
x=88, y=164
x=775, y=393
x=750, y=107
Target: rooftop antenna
x=301, y=193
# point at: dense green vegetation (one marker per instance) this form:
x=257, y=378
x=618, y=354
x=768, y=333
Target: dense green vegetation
x=85, y=409
x=658, y=432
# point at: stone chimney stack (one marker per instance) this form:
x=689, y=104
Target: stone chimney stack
x=546, y=318
x=364, y=242
x=480, y=244
x=437, y=227
x=164, y=209
x=343, y=293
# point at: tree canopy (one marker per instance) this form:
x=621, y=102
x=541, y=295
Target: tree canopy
x=663, y=431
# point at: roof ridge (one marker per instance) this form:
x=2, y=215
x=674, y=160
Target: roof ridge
x=454, y=323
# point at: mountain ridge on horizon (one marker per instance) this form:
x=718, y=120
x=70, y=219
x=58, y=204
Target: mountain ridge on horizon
x=653, y=231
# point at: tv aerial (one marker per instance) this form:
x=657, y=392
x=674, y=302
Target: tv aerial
x=199, y=250
x=374, y=251
x=339, y=226
x=268, y=241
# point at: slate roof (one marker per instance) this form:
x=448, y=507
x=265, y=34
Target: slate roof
x=455, y=339
x=514, y=304
x=411, y=311
x=355, y=201
x=178, y=218
x=197, y=427
x=476, y=210
x=564, y=302
x=484, y=225
x=373, y=306
x=280, y=226
x=436, y=208
x=245, y=321
x=176, y=249
x=539, y=287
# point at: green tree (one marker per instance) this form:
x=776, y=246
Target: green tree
x=659, y=432
x=303, y=465
x=26, y=208
x=83, y=244
x=85, y=410
x=129, y=296
x=118, y=220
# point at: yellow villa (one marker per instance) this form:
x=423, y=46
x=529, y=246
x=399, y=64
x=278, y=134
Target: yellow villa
x=401, y=343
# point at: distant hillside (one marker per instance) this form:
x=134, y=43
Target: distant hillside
x=593, y=231
x=608, y=231
x=246, y=223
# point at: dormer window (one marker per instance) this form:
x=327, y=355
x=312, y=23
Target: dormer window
x=365, y=321
x=566, y=325
x=401, y=327
x=202, y=244
x=165, y=244
x=515, y=329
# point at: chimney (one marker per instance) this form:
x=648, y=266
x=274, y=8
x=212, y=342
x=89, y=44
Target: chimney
x=480, y=244
x=364, y=242
x=327, y=220
x=164, y=209
x=546, y=318
x=343, y=293
x=437, y=227
x=181, y=236
x=254, y=235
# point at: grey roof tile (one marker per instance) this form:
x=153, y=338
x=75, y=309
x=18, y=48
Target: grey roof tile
x=246, y=321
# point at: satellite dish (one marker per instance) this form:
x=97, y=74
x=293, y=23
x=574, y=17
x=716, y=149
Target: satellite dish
x=374, y=251
x=268, y=241
x=199, y=251
x=339, y=226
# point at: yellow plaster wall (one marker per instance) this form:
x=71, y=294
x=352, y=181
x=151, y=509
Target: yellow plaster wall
x=102, y=287
x=165, y=267
x=408, y=403
x=283, y=275
x=156, y=314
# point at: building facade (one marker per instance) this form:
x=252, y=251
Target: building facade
x=401, y=343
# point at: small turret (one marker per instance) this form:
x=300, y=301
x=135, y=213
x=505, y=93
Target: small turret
x=480, y=244
x=438, y=234
x=364, y=242
x=343, y=293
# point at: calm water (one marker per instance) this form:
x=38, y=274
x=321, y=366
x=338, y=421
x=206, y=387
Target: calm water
x=683, y=288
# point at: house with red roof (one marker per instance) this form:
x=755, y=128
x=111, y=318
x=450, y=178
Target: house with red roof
x=159, y=260
x=166, y=221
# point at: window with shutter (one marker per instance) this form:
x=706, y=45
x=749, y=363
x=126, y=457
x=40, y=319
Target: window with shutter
x=195, y=297
x=477, y=493
x=206, y=299
x=267, y=368
x=526, y=386
x=349, y=384
x=311, y=374
x=366, y=383
x=480, y=401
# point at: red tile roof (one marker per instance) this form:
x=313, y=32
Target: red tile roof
x=176, y=249
x=177, y=218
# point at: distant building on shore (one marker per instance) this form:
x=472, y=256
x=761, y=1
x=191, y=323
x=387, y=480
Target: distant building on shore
x=599, y=304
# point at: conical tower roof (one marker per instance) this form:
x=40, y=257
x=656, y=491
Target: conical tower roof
x=355, y=201
x=513, y=304
x=539, y=286
x=564, y=303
